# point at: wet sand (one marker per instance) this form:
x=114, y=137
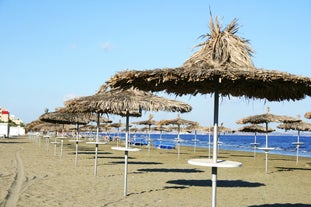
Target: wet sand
x=31, y=175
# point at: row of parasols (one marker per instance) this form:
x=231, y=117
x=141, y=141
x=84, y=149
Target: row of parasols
x=289, y=123
x=222, y=66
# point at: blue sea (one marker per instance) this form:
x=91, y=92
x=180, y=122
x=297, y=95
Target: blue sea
x=239, y=142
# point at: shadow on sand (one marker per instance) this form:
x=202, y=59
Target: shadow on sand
x=138, y=163
x=12, y=142
x=166, y=170
x=292, y=169
x=283, y=205
x=220, y=183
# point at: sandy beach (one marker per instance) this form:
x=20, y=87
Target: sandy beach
x=31, y=175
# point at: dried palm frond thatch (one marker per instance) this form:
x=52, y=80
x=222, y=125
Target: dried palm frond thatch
x=255, y=128
x=223, y=60
x=266, y=118
x=298, y=126
x=116, y=101
x=222, y=49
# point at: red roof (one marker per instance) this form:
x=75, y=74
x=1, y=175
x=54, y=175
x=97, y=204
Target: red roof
x=5, y=112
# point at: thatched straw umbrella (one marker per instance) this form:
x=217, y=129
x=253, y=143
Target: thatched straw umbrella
x=126, y=103
x=161, y=129
x=222, y=66
x=195, y=128
x=266, y=118
x=178, y=122
x=32, y=125
x=117, y=125
x=64, y=118
x=221, y=129
x=149, y=122
x=298, y=126
x=255, y=128
x=60, y=116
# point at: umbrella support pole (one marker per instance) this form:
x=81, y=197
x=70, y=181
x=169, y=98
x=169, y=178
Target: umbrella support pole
x=76, y=158
x=266, y=161
x=297, y=146
x=255, y=141
x=61, y=149
x=95, y=164
x=215, y=146
x=209, y=144
x=254, y=152
x=267, y=150
x=55, y=148
x=125, y=172
x=297, y=156
x=214, y=185
x=47, y=143
x=178, y=149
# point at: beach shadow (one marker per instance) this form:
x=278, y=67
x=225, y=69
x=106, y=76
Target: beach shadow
x=282, y=205
x=92, y=153
x=211, y=157
x=242, y=155
x=173, y=170
x=13, y=142
x=284, y=159
x=220, y=183
x=115, y=157
x=137, y=163
x=292, y=168
x=174, y=187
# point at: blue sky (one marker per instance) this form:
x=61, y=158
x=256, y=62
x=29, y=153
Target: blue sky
x=54, y=50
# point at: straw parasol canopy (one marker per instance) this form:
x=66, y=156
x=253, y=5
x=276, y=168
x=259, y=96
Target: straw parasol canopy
x=129, y=102
x=31, y=126
x=223, y=129
x=195, y=128
x=308, y=115
x=255, y=128
x=223, y=56
x=266, y=118
x=178, y=122
x=297, y=126
x=39, y=125
x=150, y=121
x=222, y=66
x=122, y=102
x=65, y=118
x=117, y=125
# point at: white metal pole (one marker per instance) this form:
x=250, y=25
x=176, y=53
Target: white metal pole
x=61, y=148
x=95, y=164
x=267, y=150
x=255, y=144
x=76, y=159
x=178, y=142
x=298, y=145
x=126, y=155
x=215, y=147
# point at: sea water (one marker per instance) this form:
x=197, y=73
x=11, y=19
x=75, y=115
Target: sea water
x=282, y=144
